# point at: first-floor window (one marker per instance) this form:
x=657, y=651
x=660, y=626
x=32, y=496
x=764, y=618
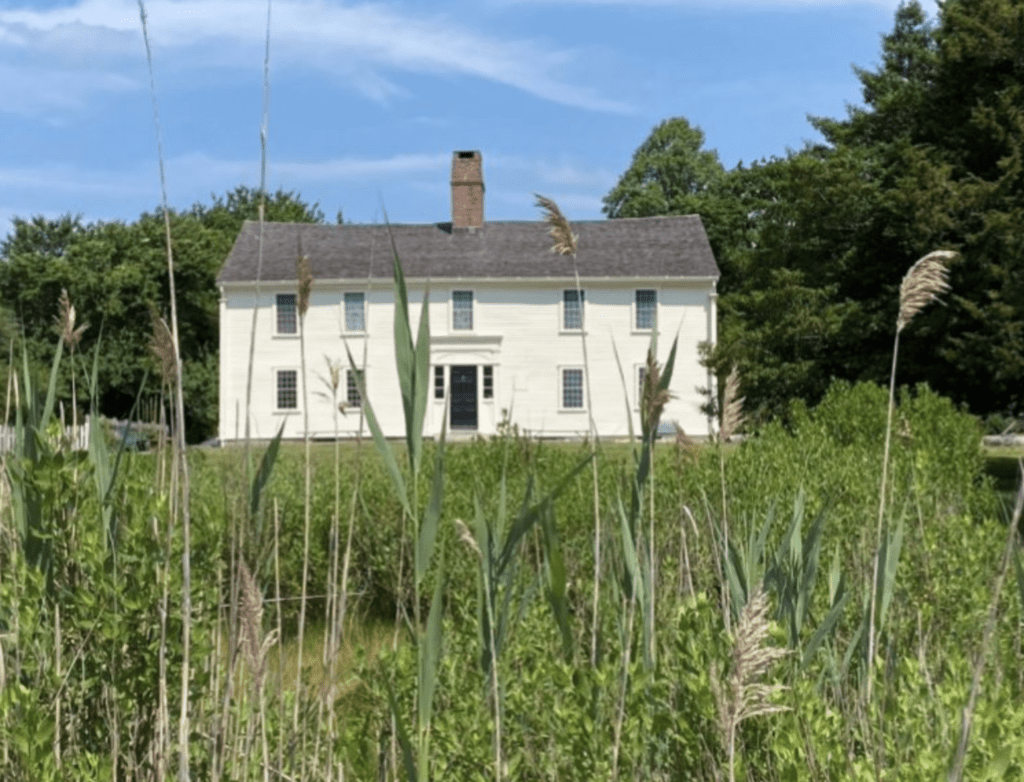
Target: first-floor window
x=572, y=389
x=641, y=372
x=488, y=382
x=439, y=381
x=287, y=389
x=352, y=387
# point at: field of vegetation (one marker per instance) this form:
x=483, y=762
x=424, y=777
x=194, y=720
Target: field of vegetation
x=514, y=609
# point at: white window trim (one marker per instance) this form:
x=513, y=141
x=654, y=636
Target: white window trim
x=275, y=371
x=632, y=309
x=282, y=334
x=451, y=311
x=561, y=312
x=344, y=315
x=583, y=388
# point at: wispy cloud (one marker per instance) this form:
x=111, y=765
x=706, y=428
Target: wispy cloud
x=368, y=44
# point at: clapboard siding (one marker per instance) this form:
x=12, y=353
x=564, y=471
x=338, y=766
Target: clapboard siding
x=516, y=329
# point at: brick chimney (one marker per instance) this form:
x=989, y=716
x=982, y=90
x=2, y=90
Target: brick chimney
x=467, y=191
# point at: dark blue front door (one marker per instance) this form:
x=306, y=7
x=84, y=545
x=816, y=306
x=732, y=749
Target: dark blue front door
x=463, y=390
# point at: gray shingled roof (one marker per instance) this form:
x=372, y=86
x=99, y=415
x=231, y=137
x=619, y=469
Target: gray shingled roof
x=640, y=247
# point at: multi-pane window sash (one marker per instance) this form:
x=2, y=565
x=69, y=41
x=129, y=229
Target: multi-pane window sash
x=287, y=389
x=438, y=381
x=640, y=385
x=646, y=309
x=287, y=322
x=488, y=382
x=355, y=312
x=352, y=388
x=572, y=389
x=462, y=309
x=572, y=312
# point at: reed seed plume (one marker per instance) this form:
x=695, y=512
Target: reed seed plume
x=161, y=344
x=924, y=283
x=732, y=406
x=561, y=228
x=254, y=644
x=467, y=537
x=654, y=398
x=64, y=321
x=304, y=274
x=743, y=696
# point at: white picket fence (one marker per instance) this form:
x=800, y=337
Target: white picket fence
x=78, y=439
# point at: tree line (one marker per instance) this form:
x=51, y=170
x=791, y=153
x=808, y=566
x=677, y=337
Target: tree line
x=116, y=277
x=812, y=246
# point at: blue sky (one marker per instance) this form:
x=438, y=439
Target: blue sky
x=369, y=99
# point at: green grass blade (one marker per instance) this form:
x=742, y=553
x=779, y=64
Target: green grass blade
x=403, y=736
x=381, y=443
x=887, y=576
x=263, y=474
x=625, y=392
x=529, y=515
x=666, y=372
x=405, y=354
x=432, y=516
x=823, y=631
x=421, y=382
x=430, y=658
x=629, y=553
x=51, y=389
x=556, y=579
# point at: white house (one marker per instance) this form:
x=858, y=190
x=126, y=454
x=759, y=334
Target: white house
x=504, y=313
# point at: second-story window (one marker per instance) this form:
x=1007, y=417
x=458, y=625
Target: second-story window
x=287, y=321
x=355, y=312
x=646, y=309
x=572, y=309
x=462, y=310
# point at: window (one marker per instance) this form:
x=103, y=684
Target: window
x=287, y=323
x=462, y=309
x=438, y=381
x=287, y=389
x=352, y=387
x=355, y=312
x=641, y=372
x=646, y=309
x=488, y=382
x=572, y=389
x=572, y=310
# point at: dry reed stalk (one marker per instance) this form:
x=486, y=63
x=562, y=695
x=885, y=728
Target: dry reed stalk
x=923, y=283
x=743, y=696
x=652, y=406
x=180, y=476
x=732, y=420
x=280, y=634
x=566, y=244
x=304, y=275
